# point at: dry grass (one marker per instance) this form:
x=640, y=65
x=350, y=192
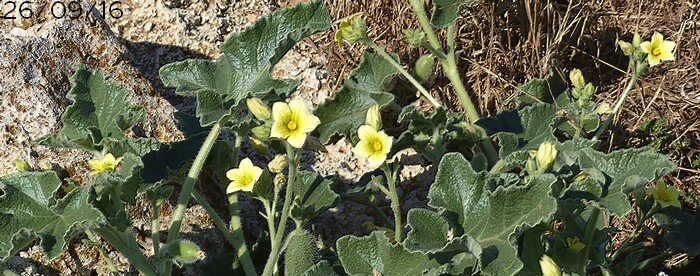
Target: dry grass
x=507, y=42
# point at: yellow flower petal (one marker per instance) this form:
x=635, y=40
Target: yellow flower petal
x=280, y=111
x=657, y=38
x=309, y=123
x=645, y=46
x=653, y=60
x=376, y=160
x=549, y=267
x=296, y=139
x=365, y=131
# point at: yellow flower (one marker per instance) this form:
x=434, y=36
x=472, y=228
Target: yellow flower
x=549, y=267
x=351, y=29
x=666, y=196
x=107, y=163
x=374, y=145
x=574, y=244
x=545, y=156
x=658, y=49
x=292, y=122
x=244, y=177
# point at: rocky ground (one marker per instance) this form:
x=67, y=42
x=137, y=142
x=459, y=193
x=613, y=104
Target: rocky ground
x=37, y=58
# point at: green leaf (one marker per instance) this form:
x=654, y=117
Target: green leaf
x=493, y=215
x=30, y=209
x=374, y=254
x=322, y=268
x=620, y=167
x=682, y=229
x=366, y=86
x=446, y=12
x=313, y=195
x=245, y=66
x=99, y=113
x=521, y=130
x=429, y=231
x=433, y=134
x=300, y=254
x=532, y=250
x=542, y=90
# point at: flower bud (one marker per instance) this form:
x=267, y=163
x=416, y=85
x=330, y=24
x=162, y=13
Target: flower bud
x=580, y=176
x=259, y=146
x=22, y=166
x=627, y=48
x=374, y=117
x=414, y=37
x=424, y=67
x=546, y=154
x=603, y=108
x=258, y=108
x=279, y=180
x=636, y=39
x=261, y=132
x=549, y=267
x=277, y=164
x=351, y=29
x=576, y=78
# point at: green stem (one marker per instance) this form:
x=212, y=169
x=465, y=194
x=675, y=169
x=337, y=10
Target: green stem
x=127, y=246
x=237, y=239
x=638, y=69
x=637, y=229
x=395, y=205
x=644, y=264
x=110, y=264
x=270, y=220
x=293, y=160
x=419, y=8
x=187, y=187
x=403, y=71
x=588, y=238
x=155, y=228
x=365, y=201
x=580, y=127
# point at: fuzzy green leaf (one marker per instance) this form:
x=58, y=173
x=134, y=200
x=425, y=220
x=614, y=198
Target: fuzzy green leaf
x=366, y=86
x=542, y=90
x=322, y=268
x=682, y=229
x=446, y=12
x=300, y=254
x=313, y=195
x=433, y=134
x=30, y=209
x=621, y=166
x=493, y=215
x=521, y=130
x=374, y=254
x=429, y=231
x=99, y=113
x=245, y=66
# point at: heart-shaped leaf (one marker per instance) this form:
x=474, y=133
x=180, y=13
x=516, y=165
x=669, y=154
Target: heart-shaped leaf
x=99, y=113
x=374, y=255
x=30, y=209
x=248, y=57
x=366, y=86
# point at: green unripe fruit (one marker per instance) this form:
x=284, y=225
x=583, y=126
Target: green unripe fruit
x=185, y=251
x=424, y=67
x=300, y=254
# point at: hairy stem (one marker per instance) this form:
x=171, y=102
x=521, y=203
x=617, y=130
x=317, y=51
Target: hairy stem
x=270, y=219
x=155, y=228
x=127, y=246
x=588, y=238
x=403, y=71
x=293, y=161
x=638, y=69
x=419, y=8
x=187, y=187
x=395, y=205
x=646, y=263
x=641, y=218
x=237, y=239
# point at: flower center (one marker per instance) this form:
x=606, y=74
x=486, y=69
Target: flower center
x=377, y=145
x=292, y=125
x=656, y=51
